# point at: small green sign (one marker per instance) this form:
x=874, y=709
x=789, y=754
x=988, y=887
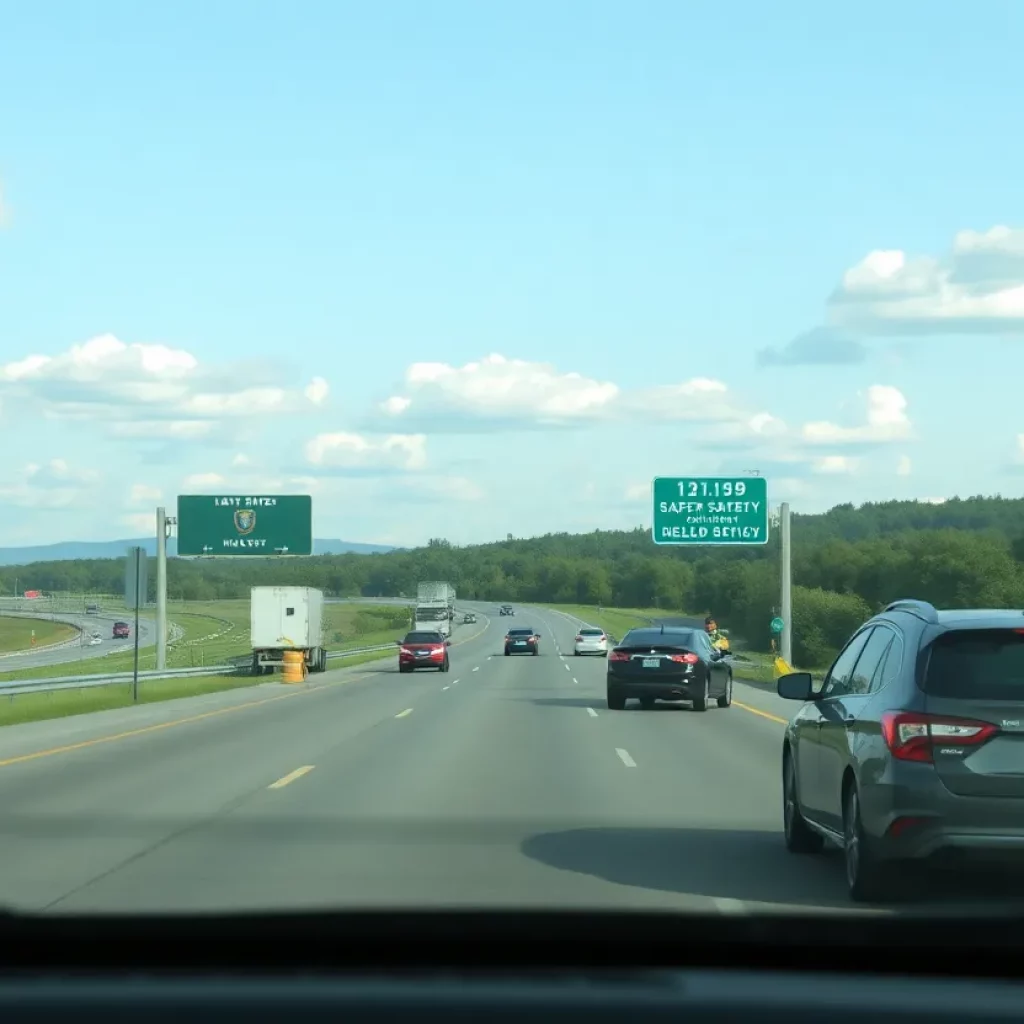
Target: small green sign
x=238, y=525
x=777, y=625
x=710, y=510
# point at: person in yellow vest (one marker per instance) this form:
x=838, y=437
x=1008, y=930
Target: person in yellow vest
x=719, y=637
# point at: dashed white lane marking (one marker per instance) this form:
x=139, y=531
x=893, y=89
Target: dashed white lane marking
x=402, y=714
x=590, y=711
x=476, y=668
x=575, y=680
x=567, y=668
x=445, y=687
x=625, y=758
x=727, y=905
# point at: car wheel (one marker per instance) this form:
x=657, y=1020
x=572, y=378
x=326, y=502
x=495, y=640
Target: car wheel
x=701, y=703
x=507, y=653
x=726, y=699
x=536, y=651
x=799, y=836
x=616, y=701
x=867, y=879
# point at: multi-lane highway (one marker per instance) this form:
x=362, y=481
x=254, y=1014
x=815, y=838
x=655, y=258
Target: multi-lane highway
x=59, y=655
x=504, y=782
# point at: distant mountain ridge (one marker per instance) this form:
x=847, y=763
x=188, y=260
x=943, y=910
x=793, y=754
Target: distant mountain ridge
x=68, y=551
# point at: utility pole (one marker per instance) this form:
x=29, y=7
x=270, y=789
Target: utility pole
x=787, y=587
x=161, y=589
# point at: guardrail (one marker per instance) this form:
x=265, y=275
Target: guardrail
x=239, y=666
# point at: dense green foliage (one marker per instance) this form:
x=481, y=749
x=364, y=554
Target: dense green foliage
x=846, y=563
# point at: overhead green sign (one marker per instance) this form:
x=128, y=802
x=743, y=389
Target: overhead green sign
x=245, y=525
x=777, y=625
x=698, y=510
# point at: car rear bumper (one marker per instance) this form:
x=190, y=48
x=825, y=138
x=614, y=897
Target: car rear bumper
x=670, y=688
x=591, y=648
x=910, y=815
x=515, y=649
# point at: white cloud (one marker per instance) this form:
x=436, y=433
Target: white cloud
x=148, y=390
x=348, y=451
x=144, y=494
x=317, y=390
x=638, y=492
x=240, y=460
x=52, y=485
x=978, y=286
x=835, y=465
x=500, y=388
x=142, y=524
x=203, y=481
x=886, y=421
x=905, y=466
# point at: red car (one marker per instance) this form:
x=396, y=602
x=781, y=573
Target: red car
x=423, y=650
x=121, y=629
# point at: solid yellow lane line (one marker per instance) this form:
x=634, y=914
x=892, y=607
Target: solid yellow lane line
x=291, y=777
x=159, y=726
x=758, y=711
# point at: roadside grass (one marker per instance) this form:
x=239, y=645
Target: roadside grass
x=217, y=632
x=16, y=633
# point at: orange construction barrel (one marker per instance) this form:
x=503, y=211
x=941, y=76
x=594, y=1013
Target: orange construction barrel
x=294, y=670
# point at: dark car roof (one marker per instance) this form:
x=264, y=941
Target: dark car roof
x=424, y=636
x=520, y=629
x=958, y=618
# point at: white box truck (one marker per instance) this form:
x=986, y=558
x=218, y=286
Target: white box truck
x=286, y=619
x=433, y=607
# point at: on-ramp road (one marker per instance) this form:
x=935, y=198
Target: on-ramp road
x=102, y=624
x=503, y=782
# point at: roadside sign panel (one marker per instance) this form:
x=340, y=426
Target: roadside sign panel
x=722, y=511
x=260, y=526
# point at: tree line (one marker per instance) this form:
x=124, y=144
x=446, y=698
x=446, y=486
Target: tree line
x=847, y=563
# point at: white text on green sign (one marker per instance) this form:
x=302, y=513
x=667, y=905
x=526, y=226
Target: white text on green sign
x=710, y=510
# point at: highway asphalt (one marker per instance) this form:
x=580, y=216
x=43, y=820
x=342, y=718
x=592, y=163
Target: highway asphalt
x=505, y=782
x=102, y=624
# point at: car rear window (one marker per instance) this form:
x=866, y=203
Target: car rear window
x=657, y=638
x=983, y=664
x=591, y=632
x=520, y=632
x=423, y=638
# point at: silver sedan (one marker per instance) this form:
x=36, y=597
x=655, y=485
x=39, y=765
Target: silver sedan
x=591, y=641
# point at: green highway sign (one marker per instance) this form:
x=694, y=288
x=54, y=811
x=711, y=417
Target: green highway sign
x=261, y=525
x=716, y=510
x=778, y=625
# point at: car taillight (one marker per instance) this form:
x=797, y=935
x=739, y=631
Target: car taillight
x=685, y=659
x=618, y=656
x=911, y=736
x=579, y=639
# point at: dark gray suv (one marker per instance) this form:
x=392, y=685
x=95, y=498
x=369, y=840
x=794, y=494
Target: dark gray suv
x=912, y=747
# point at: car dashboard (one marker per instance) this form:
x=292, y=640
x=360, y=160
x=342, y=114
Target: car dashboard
x=506, y=967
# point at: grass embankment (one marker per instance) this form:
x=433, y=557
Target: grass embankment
x=750, y=666
x=208, y=633
x=17, y=633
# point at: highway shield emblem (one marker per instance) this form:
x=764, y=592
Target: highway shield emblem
x=245, y=520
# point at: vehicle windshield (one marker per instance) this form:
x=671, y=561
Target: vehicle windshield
x=690, y=334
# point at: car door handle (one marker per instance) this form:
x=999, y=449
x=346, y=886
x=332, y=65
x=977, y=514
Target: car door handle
x=848, y=721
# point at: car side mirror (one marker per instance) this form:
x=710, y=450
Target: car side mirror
x=796, y=686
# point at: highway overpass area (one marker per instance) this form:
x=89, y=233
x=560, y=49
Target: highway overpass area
x=506, y=782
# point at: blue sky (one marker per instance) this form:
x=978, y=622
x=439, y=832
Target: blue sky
x=382, y=253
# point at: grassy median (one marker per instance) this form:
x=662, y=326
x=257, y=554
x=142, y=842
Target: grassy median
x=217, y=633
x=17, y=633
